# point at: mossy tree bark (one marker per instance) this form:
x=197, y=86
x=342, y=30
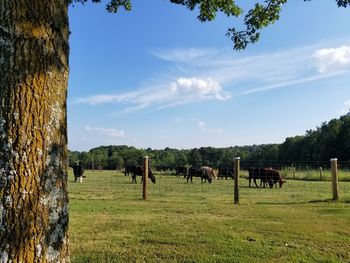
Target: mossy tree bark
x=33, y=131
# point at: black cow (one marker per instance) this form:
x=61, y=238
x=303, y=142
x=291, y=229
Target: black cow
x=128, y=169
x=198, y=172
x=266, y=175
x=181, y=170
x=78, y=172
x=260, y=173
x=225, y=172
x=138, y=171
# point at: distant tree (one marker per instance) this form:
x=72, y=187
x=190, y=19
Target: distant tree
x=165, y=158
x=181, y=159
x=195, y=158
x=265, y=152
x=115, y=161
x=131, y=162
x=289, y=149
x=73, y=157
x=330, y=140
x=84, y=159
x=227, y=159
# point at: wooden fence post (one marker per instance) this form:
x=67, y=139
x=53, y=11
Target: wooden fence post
x=236, y=183
x=321, y=173
x=145, y=177
x=334, y=165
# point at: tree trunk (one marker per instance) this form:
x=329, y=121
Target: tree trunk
x=33, y=131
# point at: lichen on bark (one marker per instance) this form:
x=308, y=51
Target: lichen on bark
x=33, y=131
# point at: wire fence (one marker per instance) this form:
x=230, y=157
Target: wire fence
x=306, y=182
x=308, y=171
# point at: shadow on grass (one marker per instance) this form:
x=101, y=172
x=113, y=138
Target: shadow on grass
x=304, y=202
x=254, y=187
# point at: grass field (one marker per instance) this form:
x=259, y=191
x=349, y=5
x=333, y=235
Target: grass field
x=314, y=174
x=109, y=221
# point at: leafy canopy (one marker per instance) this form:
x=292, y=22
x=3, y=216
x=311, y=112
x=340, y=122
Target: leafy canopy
x=260, y=16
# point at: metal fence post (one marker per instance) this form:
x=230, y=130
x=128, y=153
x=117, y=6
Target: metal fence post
x=236, y=183
x=145, y=177
x=334, y=165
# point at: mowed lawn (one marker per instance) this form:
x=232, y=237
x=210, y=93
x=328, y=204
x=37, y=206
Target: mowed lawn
x=109, y=221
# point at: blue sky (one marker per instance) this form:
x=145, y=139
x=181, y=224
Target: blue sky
x=157, y=77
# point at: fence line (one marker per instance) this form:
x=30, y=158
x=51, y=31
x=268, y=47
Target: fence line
x=308, y=184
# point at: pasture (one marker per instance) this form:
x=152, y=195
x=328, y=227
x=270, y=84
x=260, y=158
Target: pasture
x=109, y=221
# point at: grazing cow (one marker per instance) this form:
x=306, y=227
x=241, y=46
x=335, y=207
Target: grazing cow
x=277, y=178
x=198, y=172
x=266, y=175
x=226, y=172
x=262, y=174
x=138, y=171
x=210, y=172
x=78, y=172
x=181, y=170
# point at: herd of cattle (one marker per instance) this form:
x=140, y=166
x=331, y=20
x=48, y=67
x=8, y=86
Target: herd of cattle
x=267, y=176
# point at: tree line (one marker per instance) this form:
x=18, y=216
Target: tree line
x=331, y=139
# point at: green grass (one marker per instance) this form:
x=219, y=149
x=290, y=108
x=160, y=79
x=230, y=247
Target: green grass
x=315, y=174
x=109, y=221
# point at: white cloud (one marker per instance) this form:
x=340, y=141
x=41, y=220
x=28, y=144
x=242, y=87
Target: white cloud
x=287, y=83
x=214, y=75
x=199, y=88
x=230, y=69
x=258, y=73
x=178, y=92
x=332, y=59
x=184, y=55
x=104, y=98
x=109, y=132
